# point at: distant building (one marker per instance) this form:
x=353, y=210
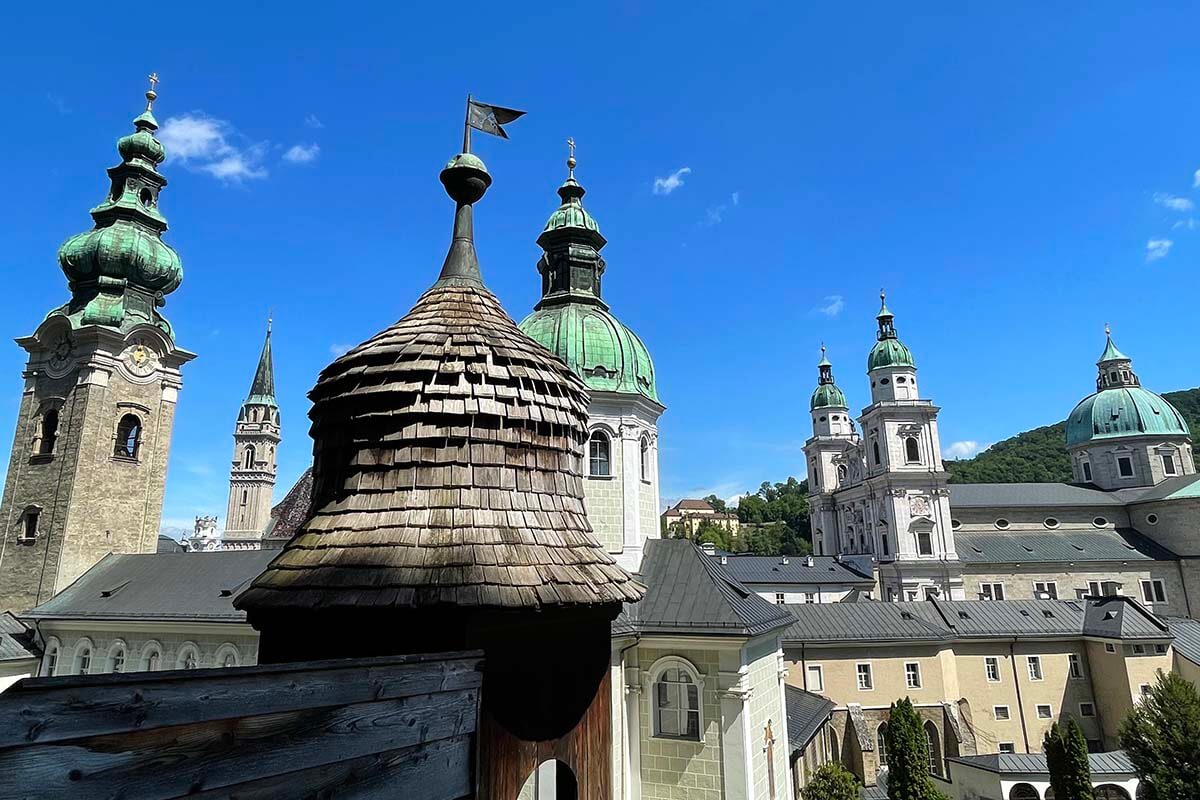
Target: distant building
x=1024, y=776
x=800, y=579
x=252, y=475
x=687, y=515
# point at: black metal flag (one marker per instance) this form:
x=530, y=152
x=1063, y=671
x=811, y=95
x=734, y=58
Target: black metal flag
x=490, y=119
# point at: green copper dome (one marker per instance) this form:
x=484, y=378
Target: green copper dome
x=828, y=396
x=1121, y=412
x=571, y=214
x=596, y=346
x=889, y=353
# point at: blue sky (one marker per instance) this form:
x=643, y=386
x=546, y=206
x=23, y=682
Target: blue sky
x=1014, y=179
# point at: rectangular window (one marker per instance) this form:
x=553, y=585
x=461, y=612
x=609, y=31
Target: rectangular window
x=1007, y=747
x=883, y=541
x=1095, y=589
x=992, y=667
x=925, y=543
x=1044, y=711
x=779, y=598
x=912, y=675
x=816, y=678
x=1048, y=588
x=912, y=596
x=1154, y=591
x=1087, y=710
x=30, y=530
x=810, y=597
x=1087, y=472
x=1139, y=649
x=991, y=591
x=1000, y=713
x=1168, y=462
x=932, y=593
x=1161, y=649
x=1109, y=647
x=1125, y=466
x=1076, y=668
x=1035, y=668
x=1144, y=689
x=864, y=676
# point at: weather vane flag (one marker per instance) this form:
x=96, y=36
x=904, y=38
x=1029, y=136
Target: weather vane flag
x=487, y=118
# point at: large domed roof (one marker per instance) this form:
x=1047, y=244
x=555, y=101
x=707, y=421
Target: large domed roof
x=889, y=353
x=1122, y=412
x=828, y=396
x=596, y=346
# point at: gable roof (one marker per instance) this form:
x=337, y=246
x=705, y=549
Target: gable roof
x=1121, y=618
x=1122, y=544
x=772, y=569
x=691, y=505
x=196, y=587
x=688, y=593
x=806, y=712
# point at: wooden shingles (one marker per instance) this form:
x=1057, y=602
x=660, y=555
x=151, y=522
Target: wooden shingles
x=448, y=470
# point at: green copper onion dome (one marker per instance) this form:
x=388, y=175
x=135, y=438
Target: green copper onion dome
x=120, y=270
x=1120, y=406
x=889, y=351
x=571, y=320
x=827, y=394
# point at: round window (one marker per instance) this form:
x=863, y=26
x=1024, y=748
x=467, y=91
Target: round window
x=146, y=197
x=883, y=382
x=822, y=419
x=1001, y=523
x=900, y=379
x=1100, y=522
x=1050, y=522
x=1152, y=519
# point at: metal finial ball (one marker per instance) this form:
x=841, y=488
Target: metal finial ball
x=571, y=162
x=466, y=178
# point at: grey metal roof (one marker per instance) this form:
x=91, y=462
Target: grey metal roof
x=1183, y=486
x=806, y=712
x=872, y=793
x=1124, y=544
x=16, y=639
x=1003, y=495
x=167, y=544
x=1112, y=763
x=175, y=586
x=1122, y=618
x=872, y=621
x=689, y=593
x=1187, y=637
x=772, y=569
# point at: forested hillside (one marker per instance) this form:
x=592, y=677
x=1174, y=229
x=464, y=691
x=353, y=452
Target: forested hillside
x=1040, y=455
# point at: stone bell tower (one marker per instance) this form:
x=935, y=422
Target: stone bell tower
x=252, y=476
x=89, y=458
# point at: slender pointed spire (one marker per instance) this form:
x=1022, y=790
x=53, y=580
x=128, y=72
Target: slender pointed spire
x=824, y=368
x=262, y=390
x=572, y=267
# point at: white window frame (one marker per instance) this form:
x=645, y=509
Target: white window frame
x=152, y=646
x=1139, y=649
x=1074, y=667
x=1085, y=714
x=1006, y=747
x=1051, y=588
x=1109, y=647
x=809, y=671
x=858, y=676
x=77, y=665
x=810, y=598
x=52, y=660
x=1033, y=664
x=654, y=674
x=909, y=674
x=1049, y=711
x=1001, y=718
x=224, y=651
x=1153, y=584
x=1160, y=649
x=988, y=663
x=1163, y=456
x=990, y=590
x=111, y=658
x=780, y=598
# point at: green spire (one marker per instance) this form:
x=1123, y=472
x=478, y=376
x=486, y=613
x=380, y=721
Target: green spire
x=120, y=270
x=262, y=390
x=1111, y=353
x=887, y=330
x=571, y=267
x=827, y=393
x=889, y=351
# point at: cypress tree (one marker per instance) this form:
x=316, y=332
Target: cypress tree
x=908, y=755
x=1067, y=762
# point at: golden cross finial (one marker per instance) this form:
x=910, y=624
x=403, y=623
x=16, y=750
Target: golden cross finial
x=151, y=95
x=571, y=157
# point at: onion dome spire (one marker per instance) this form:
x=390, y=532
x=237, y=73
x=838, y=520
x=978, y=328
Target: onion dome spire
x=887, y=330
x=1114, y=367
x=262, y=389
x=120, y=270
x=888, y=351
x=827, y=393
x=447, y=470
x=571, y=267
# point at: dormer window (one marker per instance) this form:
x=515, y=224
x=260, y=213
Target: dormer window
x=1168, y=462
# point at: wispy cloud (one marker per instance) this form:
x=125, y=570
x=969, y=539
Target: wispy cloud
x=213, y=146
x=302, y=153
x=671, y=182
x=340, y=349
x=58, y=103
x=1189, y=223
x=964, y=449
x=833, y=306
x=715, y=214
x=1173, y=202
x=736, y=197
x=313, y=121
x=1157, y=248
x=1196, y=178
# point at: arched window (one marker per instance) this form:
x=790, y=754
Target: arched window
x=875, y=448
x=881, y=743
x=912, y=451
x=83, y=657
x=48, y=432
x=50, y=662
x=188, y=657
x=841, y=473
x=227, y=655
x=129, y=437
x=1110, y=792
x=676, y=700
x=152, y=657
x=645, y=458
x=935, y=749
x=116, y=656
x=1023, y=791
x=599, y=462
x=248, y=457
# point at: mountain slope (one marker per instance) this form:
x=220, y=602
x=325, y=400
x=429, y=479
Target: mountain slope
x=1040, y=455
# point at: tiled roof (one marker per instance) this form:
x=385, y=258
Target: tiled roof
x=689, y=593
x=1113, y=763
x=16, y=639
x=806, y=712
x=161, y=586
x=771, y=569
x=1123, y=544
x=1000, y=495
x=692, y=505
x=1187, y=637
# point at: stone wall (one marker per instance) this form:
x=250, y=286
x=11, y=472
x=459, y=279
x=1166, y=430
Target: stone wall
x=766, y=711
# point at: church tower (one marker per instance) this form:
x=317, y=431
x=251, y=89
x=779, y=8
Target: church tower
x=252, y=476
x=573, y=322
x=831, y=457
x=89, y=458
x=908, y=503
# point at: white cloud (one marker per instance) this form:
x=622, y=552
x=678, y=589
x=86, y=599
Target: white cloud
x=1196, y=178
x=340, y=349
x=964, y=449
x=1157, y=248
x=1189, y=223
x=313, y=122
x=1173, y=202
x=714, y=214
x=736, y=197
x=834, y=304
x=671, y=182
x=208, y=145
x=302, y=153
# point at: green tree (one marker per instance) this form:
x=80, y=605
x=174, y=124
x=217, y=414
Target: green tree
x=717, y=503
x=831, y=782
x=1067, y=762
x=709, y=532
x=908, y=756
x=1161, y=737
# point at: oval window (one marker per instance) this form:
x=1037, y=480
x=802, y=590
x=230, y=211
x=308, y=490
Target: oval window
x=1002, y=523
x=146, y=197
x=822, y=419
x=900, y=379
x=1152, y=519
x=1050, y=522
x=1100, y=522
x=883, y=382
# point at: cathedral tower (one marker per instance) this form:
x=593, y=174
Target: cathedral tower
x=252, y=476
x=89, y=458
x=573, y=322
x=830, y=454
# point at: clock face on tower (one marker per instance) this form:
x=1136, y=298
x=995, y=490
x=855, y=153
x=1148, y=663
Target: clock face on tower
x=60, y=351
x=139, y=360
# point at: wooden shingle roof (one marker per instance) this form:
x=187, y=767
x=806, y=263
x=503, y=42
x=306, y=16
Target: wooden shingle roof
x=447, y=465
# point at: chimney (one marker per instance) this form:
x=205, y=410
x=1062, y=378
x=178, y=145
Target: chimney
x=724, y=560
x=783, y=560
x=709, y=548
x=808, y=562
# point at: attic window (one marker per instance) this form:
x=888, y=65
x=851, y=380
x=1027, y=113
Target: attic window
x=1001, y=523
x=226, y=593
x=906, y=615
x=1048, y=614
x=1077, y=547
x=1110, y=615
x=113, y=590
x=963, y=615
x=1024, y=612
x=1027, y=548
